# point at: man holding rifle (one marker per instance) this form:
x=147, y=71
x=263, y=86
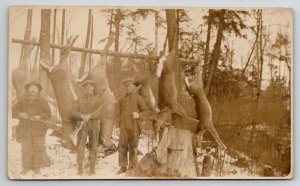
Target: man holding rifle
x=32, y=110
x=87, y=110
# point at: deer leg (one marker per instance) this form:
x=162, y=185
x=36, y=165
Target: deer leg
x=215, y=135
x=47, y=67
x=82, y=78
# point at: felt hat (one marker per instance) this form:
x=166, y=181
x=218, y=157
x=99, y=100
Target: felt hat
x=33, y=83
x=128, y=80
x=88, y=82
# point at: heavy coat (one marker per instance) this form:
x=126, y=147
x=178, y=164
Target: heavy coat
x=36, y=106
x=129, y=127
x=31, y=134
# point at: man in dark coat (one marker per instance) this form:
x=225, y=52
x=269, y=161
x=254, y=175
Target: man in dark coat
x=32, y=110
x=86, y=110
x=131, y=108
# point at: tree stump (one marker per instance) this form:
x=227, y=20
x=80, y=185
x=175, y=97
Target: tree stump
x=172, y=158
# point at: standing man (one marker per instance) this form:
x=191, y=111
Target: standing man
x=131, y=108
x=32, y=110
x=86, y=109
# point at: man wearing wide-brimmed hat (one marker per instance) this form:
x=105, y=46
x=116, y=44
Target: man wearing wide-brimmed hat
x=33, y=111
x=131, y=108
x=86, y=110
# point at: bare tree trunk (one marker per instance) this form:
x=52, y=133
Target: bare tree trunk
x=87, y=40
x=63, y=27
x=206, y=56
x=91, y=43
x=171, y=25
x=62, y=34
x=53, y=36
x=216, y=51
x=117, y=22
x=261, y=54
x=45, y=47
x=251, y=53
x=20, y=74
x=259, y=58
x=156, y=33
x=117, y=62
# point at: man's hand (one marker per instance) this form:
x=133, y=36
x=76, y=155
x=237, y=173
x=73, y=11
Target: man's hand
x=135, y=115
x=36, y=118
x=86, y=117
x=24, y=115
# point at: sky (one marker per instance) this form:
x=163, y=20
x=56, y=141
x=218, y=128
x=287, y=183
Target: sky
x=77, y=18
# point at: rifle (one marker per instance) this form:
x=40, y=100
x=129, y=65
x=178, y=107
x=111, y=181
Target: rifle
x=73, y=135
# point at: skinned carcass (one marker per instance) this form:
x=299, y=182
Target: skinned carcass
x=203, y=109
x=107, y=114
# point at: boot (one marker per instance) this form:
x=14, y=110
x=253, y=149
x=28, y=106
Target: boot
x=36, y=171
x=80, y=169
x=25, y=170
x=122, y=170
x=92, y=169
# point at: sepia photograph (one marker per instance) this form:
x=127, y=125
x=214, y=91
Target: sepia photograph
x=150, y=93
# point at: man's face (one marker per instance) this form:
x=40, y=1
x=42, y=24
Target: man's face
x=89, y=89
x=33, y=90
x=129, y=87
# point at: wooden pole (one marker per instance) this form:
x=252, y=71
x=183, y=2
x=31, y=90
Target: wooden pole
x=102, y=52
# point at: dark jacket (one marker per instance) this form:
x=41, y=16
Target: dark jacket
x=36, y=106
x=87, y=105
x=128, y=104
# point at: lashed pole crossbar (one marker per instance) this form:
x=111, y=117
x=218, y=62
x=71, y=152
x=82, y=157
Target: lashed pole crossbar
x=102, y=52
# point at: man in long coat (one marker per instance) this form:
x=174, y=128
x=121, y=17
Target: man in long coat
x=33, y=111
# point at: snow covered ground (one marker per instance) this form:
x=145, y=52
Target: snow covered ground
x=63, y=163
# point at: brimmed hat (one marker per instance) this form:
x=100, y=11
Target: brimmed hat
x=33, y=83
x=88, y=82
x=128, y=80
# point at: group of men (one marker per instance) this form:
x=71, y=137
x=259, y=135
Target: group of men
x=33, y=112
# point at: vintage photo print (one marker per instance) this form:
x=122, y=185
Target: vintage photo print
x=150, y=93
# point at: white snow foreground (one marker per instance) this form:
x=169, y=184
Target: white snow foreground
x=63, y=163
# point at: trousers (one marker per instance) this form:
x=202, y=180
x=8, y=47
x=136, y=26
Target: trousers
x=90, y=130
x=128, y=142
x=32, y=151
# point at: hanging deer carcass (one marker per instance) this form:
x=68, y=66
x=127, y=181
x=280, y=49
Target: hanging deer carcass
x=203, y=109
x=102, y=89
x=64, y=93
x=174, y=152
x=20, y=75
